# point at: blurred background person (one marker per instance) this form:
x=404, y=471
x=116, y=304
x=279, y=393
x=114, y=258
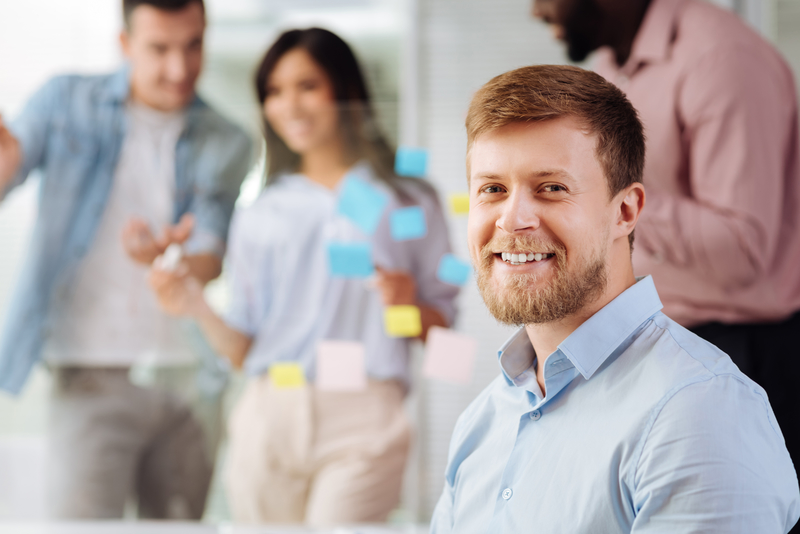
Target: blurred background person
x=719, y=234
x=131, y=162
x=303, y=454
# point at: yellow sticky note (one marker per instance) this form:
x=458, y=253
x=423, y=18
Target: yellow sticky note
x=459, y=203
x=402, y=321
x=287, y=375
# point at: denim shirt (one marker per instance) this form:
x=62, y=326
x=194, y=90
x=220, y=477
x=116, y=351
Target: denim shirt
x=72, y=129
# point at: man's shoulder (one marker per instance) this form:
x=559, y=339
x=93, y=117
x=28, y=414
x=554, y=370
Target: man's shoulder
x=672, y=358
x=707, y=28
x=73, y=87
x=666, y=343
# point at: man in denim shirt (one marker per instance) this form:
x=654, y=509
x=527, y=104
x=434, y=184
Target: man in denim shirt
x=131, y=162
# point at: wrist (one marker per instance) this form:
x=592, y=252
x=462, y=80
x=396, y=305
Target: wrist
x=198, y=307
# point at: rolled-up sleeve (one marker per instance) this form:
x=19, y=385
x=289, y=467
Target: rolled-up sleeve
x=242, y=266
x=31, y=128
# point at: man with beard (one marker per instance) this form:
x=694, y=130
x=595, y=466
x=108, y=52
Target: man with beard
x=720, y=235
x=608, y=416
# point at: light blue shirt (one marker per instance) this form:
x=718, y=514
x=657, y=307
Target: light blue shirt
x=284, y=296
x=644, y=428
x=72, y=130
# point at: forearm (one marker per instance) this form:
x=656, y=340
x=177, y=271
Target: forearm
x=204, y=267
x=231, y=343
x=724, y=246
x=429, y=317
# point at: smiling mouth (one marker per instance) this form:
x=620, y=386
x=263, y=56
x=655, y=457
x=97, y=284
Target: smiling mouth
x=521, y=258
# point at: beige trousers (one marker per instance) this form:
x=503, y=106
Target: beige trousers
x=316, y=457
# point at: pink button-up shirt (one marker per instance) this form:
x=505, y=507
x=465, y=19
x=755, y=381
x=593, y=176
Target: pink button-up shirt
x=720, y=232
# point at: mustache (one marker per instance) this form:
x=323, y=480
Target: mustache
x=526, y=242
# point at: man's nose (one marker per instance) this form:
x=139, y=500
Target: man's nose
x=177, y=67
x=519, y=213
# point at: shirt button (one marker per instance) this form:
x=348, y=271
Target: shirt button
x=536, y=415
x=507, y=493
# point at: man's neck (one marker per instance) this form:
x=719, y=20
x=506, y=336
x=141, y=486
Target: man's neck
x=137, y=98
x=546, y=337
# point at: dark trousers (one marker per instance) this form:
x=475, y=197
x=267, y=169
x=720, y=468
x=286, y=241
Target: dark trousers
x=769, y=353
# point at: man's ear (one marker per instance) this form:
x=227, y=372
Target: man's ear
x=630, y=202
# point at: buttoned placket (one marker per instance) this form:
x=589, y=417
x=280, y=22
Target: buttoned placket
x=557, y=377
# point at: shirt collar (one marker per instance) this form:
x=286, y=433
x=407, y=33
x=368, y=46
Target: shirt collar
x=656, y=33
x=593, y=341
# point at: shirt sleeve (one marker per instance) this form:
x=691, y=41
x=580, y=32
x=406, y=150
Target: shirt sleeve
x=738, y=111
x=428, y=253
x=714, y=461
x=31, y=129
x=241, y=267
x=214, y=199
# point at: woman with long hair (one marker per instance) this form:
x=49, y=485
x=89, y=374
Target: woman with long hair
x=304, y=453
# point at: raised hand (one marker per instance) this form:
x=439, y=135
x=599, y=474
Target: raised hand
x=10, y=156
x=143, y=246
x=177, y=292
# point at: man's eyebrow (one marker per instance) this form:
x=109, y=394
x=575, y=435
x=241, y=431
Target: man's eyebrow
x=487, y=176
x=551, y=173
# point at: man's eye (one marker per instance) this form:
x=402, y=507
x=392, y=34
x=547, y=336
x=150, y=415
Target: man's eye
x=553, y=188
x=492, y=189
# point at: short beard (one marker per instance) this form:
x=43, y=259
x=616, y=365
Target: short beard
x=516, y=302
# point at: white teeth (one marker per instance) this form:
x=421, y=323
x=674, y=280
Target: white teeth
x=518, y=259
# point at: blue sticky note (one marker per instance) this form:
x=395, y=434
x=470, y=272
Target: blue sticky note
x=362, y=203
x=408, y=223
x=410, y=161
x=453, y=271
x=350, y=260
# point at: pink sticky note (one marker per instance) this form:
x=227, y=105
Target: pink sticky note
x=449, y=356
x=340, y=366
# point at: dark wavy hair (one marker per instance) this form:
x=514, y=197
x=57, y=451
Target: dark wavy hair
x=363, y=139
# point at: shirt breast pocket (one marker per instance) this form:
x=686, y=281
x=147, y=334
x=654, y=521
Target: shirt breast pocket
x=72, y=155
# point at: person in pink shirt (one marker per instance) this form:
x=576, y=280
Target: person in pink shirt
x=721, y=231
